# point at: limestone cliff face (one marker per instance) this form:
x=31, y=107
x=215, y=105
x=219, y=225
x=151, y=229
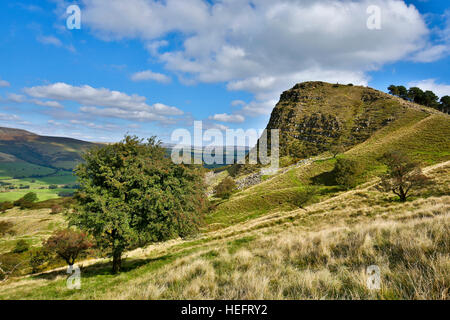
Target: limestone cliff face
x=320, y=114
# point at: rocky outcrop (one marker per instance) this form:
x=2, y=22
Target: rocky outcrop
x=319, y=114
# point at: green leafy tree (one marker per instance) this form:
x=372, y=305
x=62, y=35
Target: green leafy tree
x=402, y=92
x=429, y=99
x=347, y=172
x=132, y=194
x=403, y=175
x=445, y=104
x=393, y=89
x=225, y=188
x=416, y=94
x=68, y=244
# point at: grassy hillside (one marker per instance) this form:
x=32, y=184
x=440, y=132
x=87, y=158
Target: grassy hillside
x=421, y=133
x=321, y=251
x=53, y=152
x=297, y=234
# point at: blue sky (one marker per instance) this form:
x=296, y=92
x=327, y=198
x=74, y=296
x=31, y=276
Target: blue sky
x=149, y=67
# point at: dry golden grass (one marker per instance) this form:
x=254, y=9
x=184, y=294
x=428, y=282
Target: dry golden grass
x=413, y=258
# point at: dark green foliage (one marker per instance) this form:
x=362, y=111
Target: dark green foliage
x=68, y=244
x=30, y=197
x=417, y=95
x=21, y=246
x=131, y=195
x=347, y=172
x=403, y=175
x=393, y=89
x=27, y=201
x=402, y=92
x=445, y=104
x=225, y=188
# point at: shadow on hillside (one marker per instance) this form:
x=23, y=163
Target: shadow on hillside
x=104, y=268
x=325, y=179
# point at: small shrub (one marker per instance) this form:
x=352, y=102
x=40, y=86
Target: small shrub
x=68, y=244
x=225, y=188
x=21, y=246
x=347, y=172
x=27, y=201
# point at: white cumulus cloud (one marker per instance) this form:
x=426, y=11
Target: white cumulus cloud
x=4, y=83
x=103, y=102
x=150, y=75
x=265, y=46
x=439, y=89
x=224, y=117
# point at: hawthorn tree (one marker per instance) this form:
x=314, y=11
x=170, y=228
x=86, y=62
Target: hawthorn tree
x=402, y=176
x=131, y=194
x=68, y=244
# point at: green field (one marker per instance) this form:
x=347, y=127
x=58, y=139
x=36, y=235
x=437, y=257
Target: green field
x=43, y=194
x=39, y=185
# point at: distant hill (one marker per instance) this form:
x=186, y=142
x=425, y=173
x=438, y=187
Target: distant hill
x=23, y=153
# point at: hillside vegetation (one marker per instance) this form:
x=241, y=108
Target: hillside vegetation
x=392, y=125
x=321, y=251
x=298, y=234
